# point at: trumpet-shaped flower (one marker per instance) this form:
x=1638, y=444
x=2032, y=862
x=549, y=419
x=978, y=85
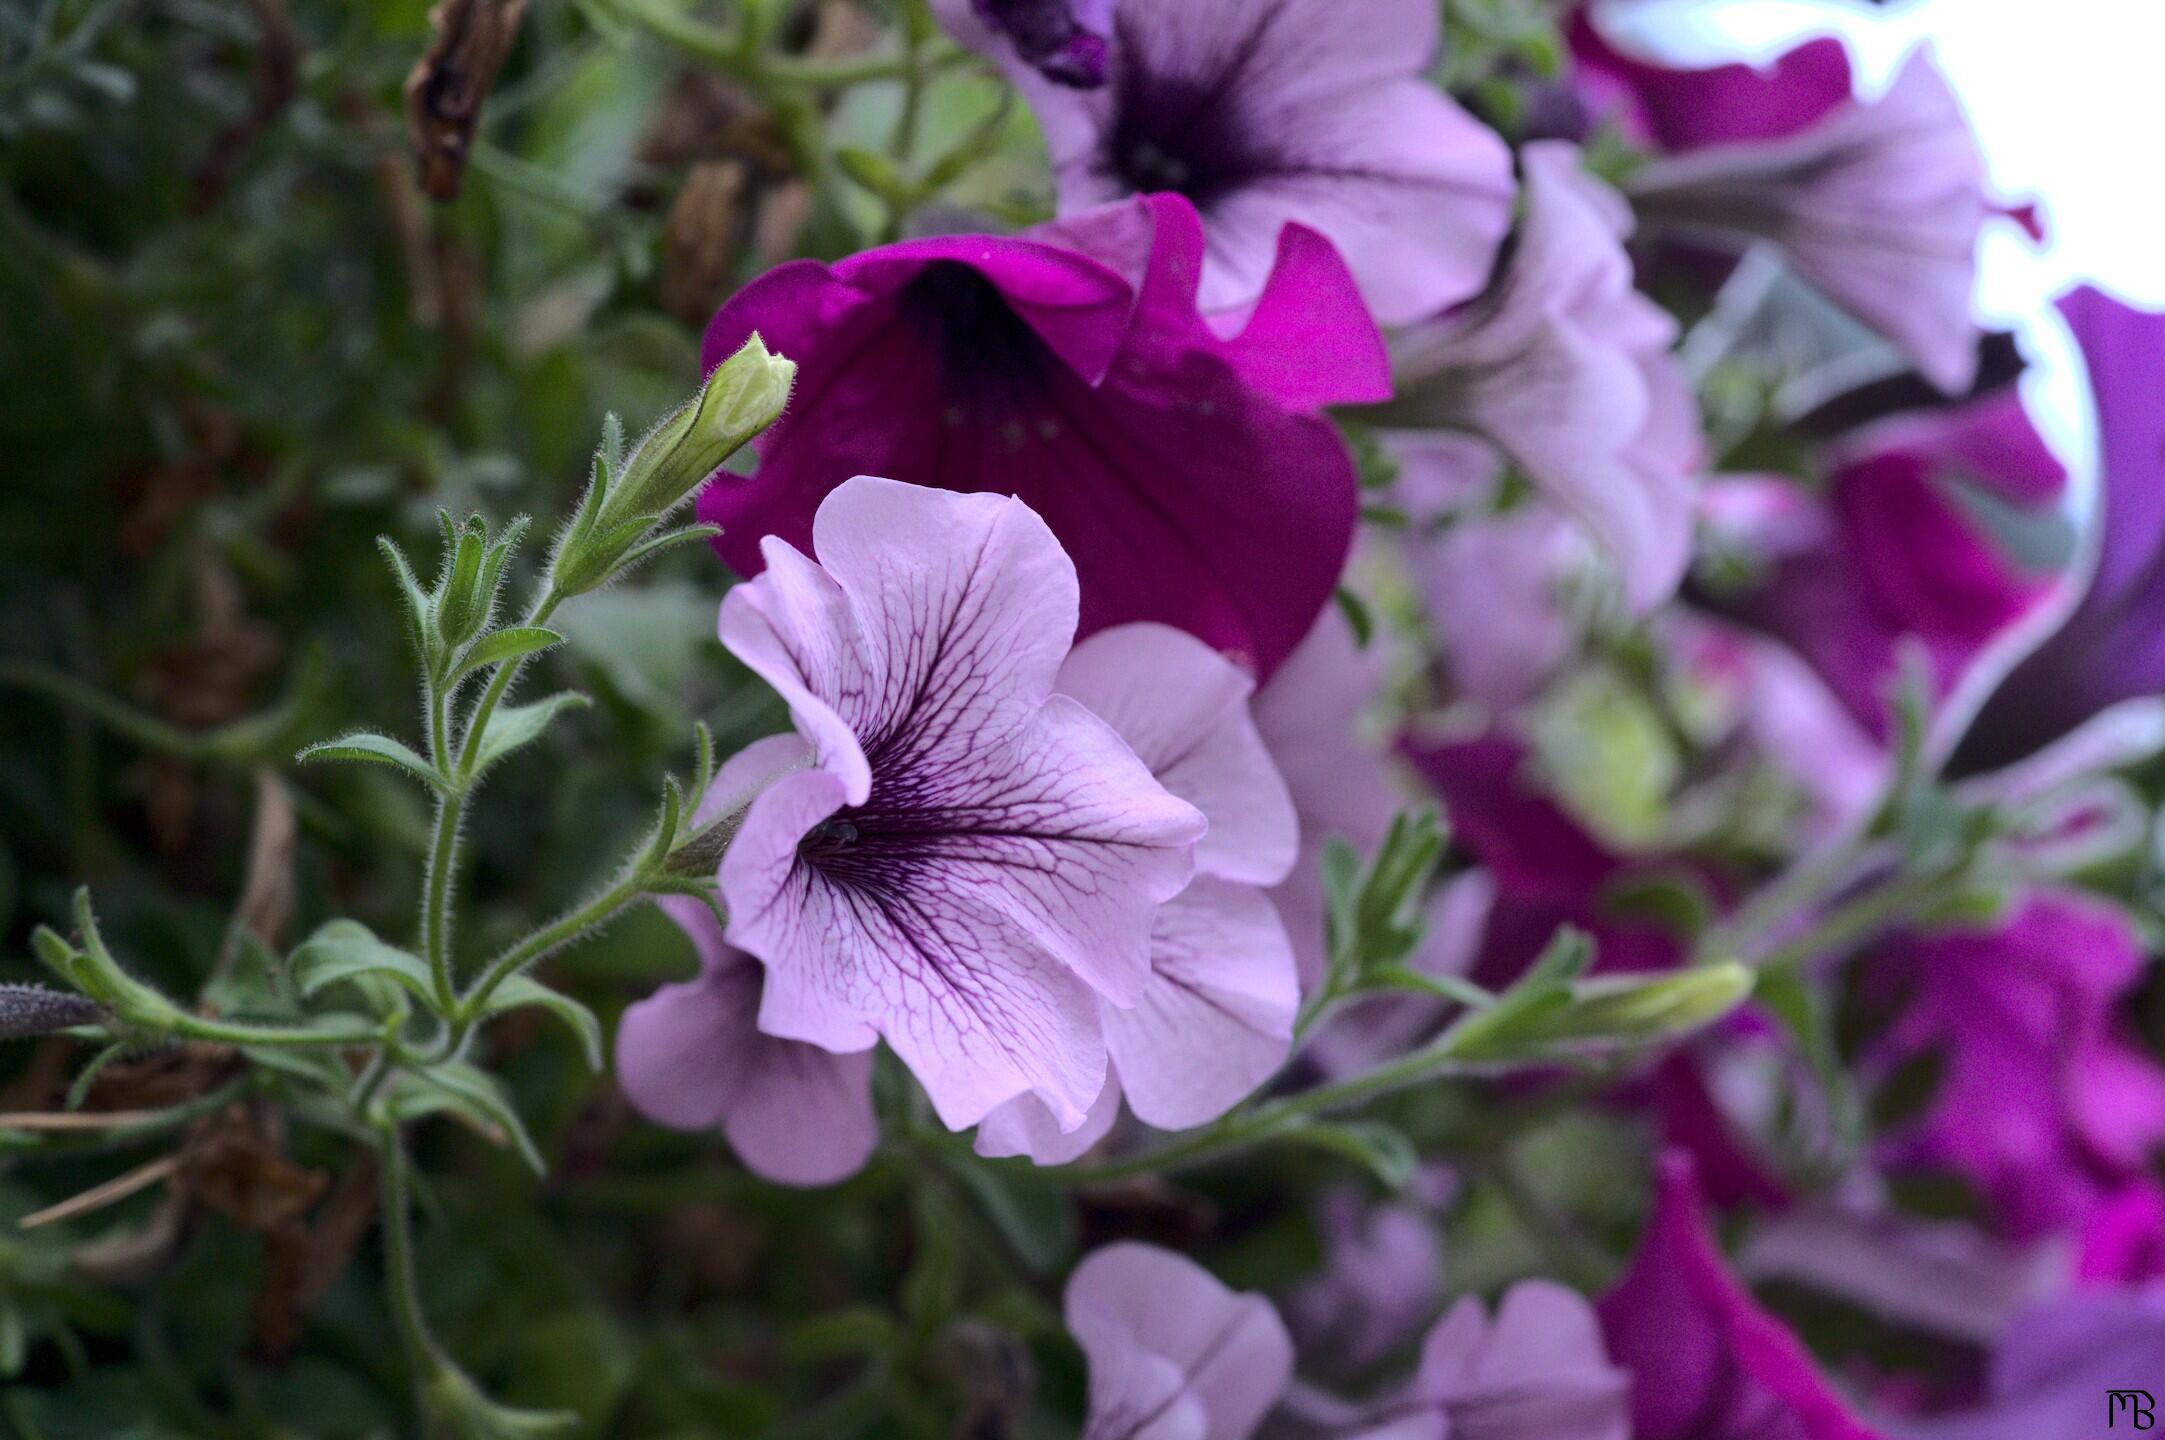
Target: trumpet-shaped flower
x=1878, y=204
x=1186, y=474
x=1265, y=112
x=1174, y=1354
x=1565, y=368
x=966, y=861
x=1215, y=1018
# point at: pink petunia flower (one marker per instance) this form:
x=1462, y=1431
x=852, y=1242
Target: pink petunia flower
x=1878, y=204
x=1174, y=1354
x=1565, y=368
x=1187, y=475
x=966, y=861
x=1269, y=112
x=1678, y=108
x=1706, y=1362
x=2041, y=1105
x=1215, y=1019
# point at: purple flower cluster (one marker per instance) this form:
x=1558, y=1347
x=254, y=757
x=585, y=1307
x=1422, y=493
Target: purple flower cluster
x=1042, y=561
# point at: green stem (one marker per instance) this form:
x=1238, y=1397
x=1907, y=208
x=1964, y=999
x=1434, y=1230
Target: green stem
x=1847, y=926
x=443, y=859
x=423, y=1356
x=726, y=50
x=227, y=1032
x=478, y=723
x=545, y=941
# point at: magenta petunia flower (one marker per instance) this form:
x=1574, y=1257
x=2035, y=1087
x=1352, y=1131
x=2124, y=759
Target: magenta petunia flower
x=968, y=861
x=1215, y=1019
x=1185, y=474
x=2041, y=1104
x=1894, y=555
x=2111, y=647
x=1174, y=1354
x=1667, y=107
x=691, y=1056
x=1878, y=204
x=1269, y=112
x=1565, y=368
x=1706, y=1362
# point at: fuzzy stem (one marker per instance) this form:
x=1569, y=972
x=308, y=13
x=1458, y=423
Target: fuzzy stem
x=423, y=1356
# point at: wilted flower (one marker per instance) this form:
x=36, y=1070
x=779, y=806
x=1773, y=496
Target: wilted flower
x=1565, y=368
x=1215, y=1019
x=2040, y=1103
x=968, y=861
x=2112, y=647
x=1706, y=1362
x=1182, y=472
x=27, y=1010
x=1174, y=1354
x=1265, y=112
x=1878, y=204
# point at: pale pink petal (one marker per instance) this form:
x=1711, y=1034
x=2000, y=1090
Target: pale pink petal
x=1023, y=1126
x=1183, y=709
x=1216, y=1019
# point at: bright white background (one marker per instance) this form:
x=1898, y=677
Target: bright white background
x=2068, y=101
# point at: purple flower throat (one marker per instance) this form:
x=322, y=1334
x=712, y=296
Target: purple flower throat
x=1180, y=133
x=990, y=359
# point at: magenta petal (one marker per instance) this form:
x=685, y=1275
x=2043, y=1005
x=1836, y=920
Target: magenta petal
x=1174, y=1354
x=1706, y=1362
x=1183, y=709
x=1216, y=1019
x=1184, y=492
x=1680, y=108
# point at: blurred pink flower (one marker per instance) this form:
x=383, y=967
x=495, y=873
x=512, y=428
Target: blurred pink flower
x=1184, y=473
x=1174, y=1354
x=1565, y=369
x=2040, y=1103
x=1878, y=204
x=1668, y=107
x=1706, y=1362
x=967, y=860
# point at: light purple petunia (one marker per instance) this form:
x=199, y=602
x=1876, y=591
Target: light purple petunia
x=968, y=861
x=2042, y=1105
x=1878, y=204
x=1215, y=1019
x=1187, y=475
x=1381, y=1277
x=1565, y=369
x=692, y=1056
x=1706, y=1362
x=1269, y=112
x=2054, y=1374
x=1174, y=1354
x=2112, y=647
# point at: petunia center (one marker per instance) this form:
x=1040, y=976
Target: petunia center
x=1179, y=133
x=991, y=362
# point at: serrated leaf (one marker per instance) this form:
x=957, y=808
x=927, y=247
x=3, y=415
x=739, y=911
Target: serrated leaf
x=373, y=749
x=348, y=950
x=455, y=1087
x=517, y=725
x=509, y=643
x=517, y=992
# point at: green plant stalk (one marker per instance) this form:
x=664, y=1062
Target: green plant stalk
x=1849, y=925
x=548, y=939
x=424, y=1357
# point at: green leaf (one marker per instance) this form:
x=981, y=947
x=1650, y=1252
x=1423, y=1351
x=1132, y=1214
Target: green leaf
x=1038, y=1220
x=347, y=950
x=509, y=643
x=1387, y=1153
x=455, y=1087
x=516, y=992
x=373, y=749
x=518, y=725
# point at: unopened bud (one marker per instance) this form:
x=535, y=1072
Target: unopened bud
x=27, y=1010
x=743, y=396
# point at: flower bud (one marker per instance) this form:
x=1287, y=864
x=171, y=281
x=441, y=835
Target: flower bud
x=27, y=1010
x=743, y=396
x=461, y=605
